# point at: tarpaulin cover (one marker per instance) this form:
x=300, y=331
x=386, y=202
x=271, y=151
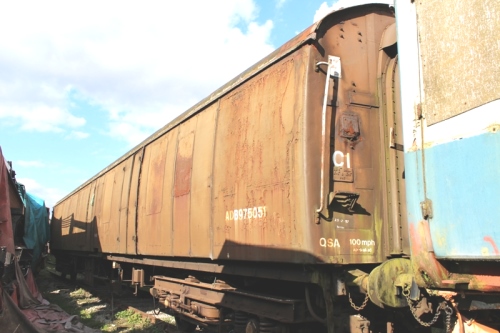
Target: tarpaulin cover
x=12, y=319
x=36, y=225
x=6, y=234
x=25, y=311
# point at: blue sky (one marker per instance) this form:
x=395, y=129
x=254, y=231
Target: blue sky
x=82, y=82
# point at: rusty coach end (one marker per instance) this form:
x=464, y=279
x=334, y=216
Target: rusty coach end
x=276, y=181
x=279, y=202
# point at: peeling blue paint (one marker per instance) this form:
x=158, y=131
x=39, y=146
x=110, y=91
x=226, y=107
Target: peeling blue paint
x=463, y=181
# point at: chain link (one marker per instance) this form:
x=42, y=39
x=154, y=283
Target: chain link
x=362, y=306
x=449, y=311
x=443, y=306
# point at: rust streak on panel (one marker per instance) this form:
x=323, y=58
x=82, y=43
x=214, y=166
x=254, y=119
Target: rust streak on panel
x=184, y=165
x=133, y=203
x=151, y=199
x=201, y=183
x=182, y=197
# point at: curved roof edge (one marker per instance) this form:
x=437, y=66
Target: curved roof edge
x=345, y=4
x=306, y=36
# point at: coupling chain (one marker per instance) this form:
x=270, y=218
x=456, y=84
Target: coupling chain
x=442, y=306
x=448, y=311
x=362, y=306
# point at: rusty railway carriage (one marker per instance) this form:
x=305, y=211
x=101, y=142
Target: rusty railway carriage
x=275, y=204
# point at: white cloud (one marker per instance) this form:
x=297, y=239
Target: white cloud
x=39, y=118
x=77, y=135
x=50, y=195
x=153, y=58
x=280, y=3
x=322, y=11
x=29, y=164
x=325, y=9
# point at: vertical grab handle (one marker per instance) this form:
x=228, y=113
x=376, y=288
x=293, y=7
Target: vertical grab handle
x=333, y=69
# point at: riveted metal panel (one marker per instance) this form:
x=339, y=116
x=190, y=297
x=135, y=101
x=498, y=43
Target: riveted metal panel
x=392, y=130
x=456, y=46
x=353, y=224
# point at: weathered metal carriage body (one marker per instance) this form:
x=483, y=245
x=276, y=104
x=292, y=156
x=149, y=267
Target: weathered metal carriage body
x=288, y=164
x=281, y=197
x=238, y=177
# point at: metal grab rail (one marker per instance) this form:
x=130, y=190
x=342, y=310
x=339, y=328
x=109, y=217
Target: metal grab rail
x=333, y=69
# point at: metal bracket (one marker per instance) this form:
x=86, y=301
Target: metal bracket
x=426, y=207
x=334, y=69
x=407, y=282
x=392, y=141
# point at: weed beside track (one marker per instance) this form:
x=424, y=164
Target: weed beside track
x=97, y=308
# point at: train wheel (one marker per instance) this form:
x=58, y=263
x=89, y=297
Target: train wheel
x=184, y=326
x=252, y=326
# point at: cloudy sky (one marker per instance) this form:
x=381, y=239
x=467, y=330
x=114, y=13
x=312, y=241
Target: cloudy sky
x=82, y=82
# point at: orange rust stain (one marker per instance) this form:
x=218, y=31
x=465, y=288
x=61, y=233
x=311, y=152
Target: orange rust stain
x=493, y=244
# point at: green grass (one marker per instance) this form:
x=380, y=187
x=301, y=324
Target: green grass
x=92, y=311
x=132, y=317
x=70, y=305
x=131, y=322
